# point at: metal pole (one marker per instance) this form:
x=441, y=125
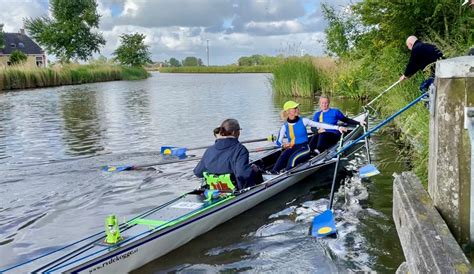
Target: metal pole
x=207, y=50
x=389, y=88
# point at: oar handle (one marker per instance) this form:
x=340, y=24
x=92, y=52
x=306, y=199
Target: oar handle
x=270, y=139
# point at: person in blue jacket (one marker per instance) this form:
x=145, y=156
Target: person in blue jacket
x=229, y=156
x=296, y=150
x=325, y=138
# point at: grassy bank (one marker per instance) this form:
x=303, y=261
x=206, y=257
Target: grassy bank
x=296, y=77
x=21, y=77
x=217, y=69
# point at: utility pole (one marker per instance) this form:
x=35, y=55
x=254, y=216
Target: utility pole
x=207, y=50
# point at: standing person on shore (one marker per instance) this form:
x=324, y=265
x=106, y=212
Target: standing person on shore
x=423, y=57
x=325, y=138
x=228, y=157
x=296, y=150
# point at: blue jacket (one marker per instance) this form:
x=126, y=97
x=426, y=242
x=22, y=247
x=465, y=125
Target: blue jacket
x=332, y=116
x=227, y=155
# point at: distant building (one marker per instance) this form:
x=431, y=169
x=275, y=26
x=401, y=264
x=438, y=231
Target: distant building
x=20, y=41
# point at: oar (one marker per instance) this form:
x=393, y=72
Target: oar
x=368, y=170
x=323, y=224
x=381, y=124
x=328, y=216
x=389, y=88
x=138, y=167
x=181, y=151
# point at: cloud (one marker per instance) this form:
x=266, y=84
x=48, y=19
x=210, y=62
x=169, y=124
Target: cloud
x=273, y=28
x=165, y=13
x=13, y=12
x=180, y=28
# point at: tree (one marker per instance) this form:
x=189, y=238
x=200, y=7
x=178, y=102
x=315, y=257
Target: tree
x=2, y=42
x=17, y=57
x=132, y=50
x=342, y=32
x=68, y=34
x=192, y=61
x=174, y=62
x=446, y=23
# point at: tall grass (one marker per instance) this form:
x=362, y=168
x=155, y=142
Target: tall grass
x=22, y=76
x=295, y=77
x=217, y=69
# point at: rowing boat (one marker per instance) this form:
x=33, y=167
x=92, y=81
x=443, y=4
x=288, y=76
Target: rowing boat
x=169, y=226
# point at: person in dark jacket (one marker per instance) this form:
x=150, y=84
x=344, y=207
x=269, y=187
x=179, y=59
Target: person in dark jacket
x=422, y=55
x=325, y=138
x=229, y=156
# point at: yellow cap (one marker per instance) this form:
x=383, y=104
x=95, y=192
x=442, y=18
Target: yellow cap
x=290, y=104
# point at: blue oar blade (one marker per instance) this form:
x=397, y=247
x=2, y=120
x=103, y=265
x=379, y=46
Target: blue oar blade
x=368, y=171
x=323, y=225
x=175, y=151
x=116, y=168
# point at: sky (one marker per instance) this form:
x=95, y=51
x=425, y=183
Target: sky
x=181, y=28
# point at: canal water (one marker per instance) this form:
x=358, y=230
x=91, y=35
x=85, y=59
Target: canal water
x=53, y=142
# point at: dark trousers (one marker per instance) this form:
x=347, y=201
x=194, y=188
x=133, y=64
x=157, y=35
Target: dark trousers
x=323, y=141
x=291, y=157
x=425, y=85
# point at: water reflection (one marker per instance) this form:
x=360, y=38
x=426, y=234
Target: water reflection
x=82, y=124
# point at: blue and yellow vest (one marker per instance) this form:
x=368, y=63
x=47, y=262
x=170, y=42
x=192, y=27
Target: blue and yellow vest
x=296, y=133
x=331, y=116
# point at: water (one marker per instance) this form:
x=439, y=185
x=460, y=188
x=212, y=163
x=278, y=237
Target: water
x=53, y=142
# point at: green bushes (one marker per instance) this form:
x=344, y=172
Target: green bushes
x=295, y=77
x=21, y=77
x=217, y=69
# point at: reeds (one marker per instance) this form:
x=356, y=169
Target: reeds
x=24, y=76
x=295, y=77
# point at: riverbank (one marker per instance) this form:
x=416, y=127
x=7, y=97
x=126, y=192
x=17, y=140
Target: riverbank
x=215, y=69
x=23, y=77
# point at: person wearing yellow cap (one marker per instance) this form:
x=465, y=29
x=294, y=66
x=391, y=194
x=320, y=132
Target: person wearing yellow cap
x=296, y=150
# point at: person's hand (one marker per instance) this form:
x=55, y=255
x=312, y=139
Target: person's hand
x=321, y=130
x=342, y=129
x=285, y=146
x=402, y=78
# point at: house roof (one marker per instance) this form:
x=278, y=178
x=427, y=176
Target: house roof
x=18, y=41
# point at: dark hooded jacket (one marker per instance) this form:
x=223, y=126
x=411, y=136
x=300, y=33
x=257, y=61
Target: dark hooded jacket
x=227, y=155
x=422, y=54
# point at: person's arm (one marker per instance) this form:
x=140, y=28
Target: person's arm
x=242, y=168
x=200, y=167
x=341, y=117
x=281, y=135
x=308, y=122
x=413, y=65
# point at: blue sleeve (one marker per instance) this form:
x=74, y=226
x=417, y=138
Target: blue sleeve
x=200, y=168
x=339, y=115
